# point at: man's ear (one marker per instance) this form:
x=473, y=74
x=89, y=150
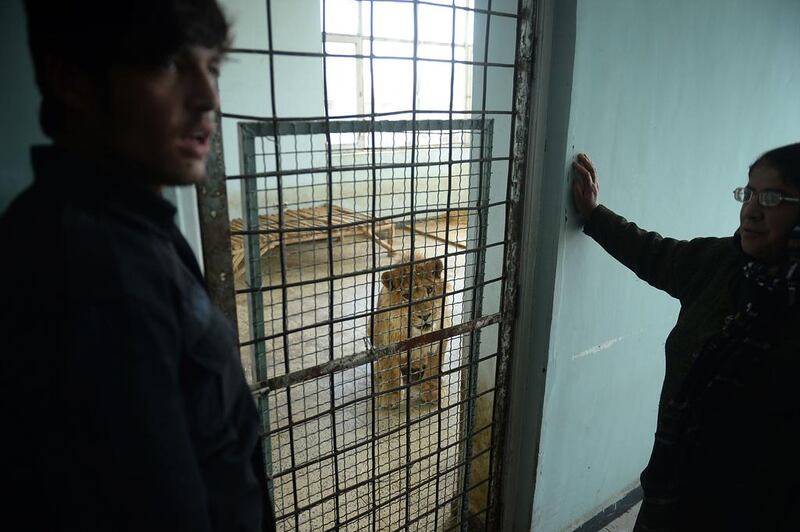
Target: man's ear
x=72, y=86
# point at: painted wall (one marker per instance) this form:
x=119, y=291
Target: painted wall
x=672, y=100
x=19, y=104
x=245, y=79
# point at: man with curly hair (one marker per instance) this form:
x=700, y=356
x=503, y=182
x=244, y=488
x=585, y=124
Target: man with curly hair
x=125, y=406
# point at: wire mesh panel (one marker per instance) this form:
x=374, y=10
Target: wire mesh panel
x=373, y=256
x=373, y=434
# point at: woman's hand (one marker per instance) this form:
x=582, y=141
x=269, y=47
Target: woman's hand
x=585, y=186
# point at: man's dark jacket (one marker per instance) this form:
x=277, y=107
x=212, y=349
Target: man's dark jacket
x=124, y=404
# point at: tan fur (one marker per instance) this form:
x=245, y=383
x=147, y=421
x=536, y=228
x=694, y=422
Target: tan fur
x=391, y=326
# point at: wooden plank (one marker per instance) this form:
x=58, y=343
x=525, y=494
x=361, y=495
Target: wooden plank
x=434, y=236
x=308, y=218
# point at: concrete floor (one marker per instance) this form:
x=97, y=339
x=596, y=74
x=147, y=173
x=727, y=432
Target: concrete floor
x=375, y=442
x=625, y=522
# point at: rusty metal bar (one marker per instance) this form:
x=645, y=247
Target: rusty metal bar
x=319, y=127
x=258, y=51
x=356, y=401
x=357, y=273
x=348, y=318
x=523, y=80
x=370, y=355
x=337, y=118
x=212, y=205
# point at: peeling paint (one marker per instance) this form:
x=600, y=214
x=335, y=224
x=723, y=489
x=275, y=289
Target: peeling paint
x=599, y=347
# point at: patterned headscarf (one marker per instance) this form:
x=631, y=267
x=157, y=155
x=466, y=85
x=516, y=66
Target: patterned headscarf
x=780, y=284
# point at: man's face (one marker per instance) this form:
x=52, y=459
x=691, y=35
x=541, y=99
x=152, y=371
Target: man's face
x=765, y=230
x=160, y=118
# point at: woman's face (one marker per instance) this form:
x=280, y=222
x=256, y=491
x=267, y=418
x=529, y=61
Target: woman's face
x=765, y=230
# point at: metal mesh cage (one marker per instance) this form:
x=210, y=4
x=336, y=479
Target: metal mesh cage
x=313, y=310
x=371, y=263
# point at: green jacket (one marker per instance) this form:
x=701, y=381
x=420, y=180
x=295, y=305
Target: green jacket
x=737, y=467
x=704, y=274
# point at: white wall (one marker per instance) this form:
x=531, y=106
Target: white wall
x=672, y=101
x=245, y=78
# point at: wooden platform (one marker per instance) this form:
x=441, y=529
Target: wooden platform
x=308, y=225
x=436, y=227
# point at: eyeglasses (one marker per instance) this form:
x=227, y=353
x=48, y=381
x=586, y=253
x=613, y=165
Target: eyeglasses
x=766, y=198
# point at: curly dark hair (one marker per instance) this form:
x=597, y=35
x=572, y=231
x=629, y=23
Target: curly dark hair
x=786, y=160
x=92, y=35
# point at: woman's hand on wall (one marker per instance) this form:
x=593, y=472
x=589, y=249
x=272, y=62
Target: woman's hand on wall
x=585, y=186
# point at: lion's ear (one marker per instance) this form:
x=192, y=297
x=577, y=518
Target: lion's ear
x=393, y=279
x=438, y=268
x=388, y=280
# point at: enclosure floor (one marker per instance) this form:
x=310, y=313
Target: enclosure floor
x=369, y=483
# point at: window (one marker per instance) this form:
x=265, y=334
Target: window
x=349, y=89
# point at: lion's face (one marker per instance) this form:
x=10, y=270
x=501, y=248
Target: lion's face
x=420, y=287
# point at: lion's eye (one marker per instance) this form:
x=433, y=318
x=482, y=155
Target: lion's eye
x=405, y=296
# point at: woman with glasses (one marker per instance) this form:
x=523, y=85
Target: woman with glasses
x=727, y=446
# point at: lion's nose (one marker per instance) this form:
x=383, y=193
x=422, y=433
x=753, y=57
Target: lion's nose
x=425, y=317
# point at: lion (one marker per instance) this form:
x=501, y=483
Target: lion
x=423, y=282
